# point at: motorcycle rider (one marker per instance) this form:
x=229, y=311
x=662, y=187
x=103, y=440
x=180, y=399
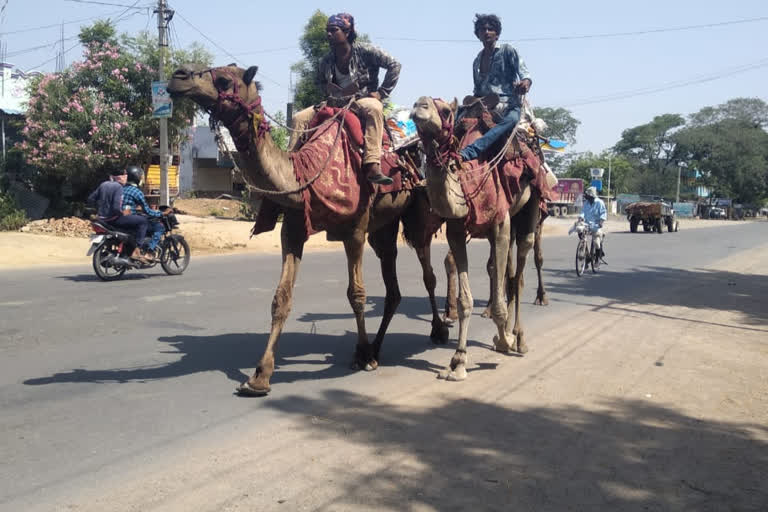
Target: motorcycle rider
x=133, y=199
x=594, y=215
x=109, y=199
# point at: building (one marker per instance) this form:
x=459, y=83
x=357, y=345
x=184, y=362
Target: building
x=205, y=170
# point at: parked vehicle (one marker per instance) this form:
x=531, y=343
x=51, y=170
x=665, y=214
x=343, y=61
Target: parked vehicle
x=586, y=249
x=111, y=248
x=717, y=213
x=652, y=215
x=566, y=197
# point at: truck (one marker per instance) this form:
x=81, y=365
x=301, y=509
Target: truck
x=566, y=197
x=652, y=215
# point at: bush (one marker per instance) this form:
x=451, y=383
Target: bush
x=11, y=217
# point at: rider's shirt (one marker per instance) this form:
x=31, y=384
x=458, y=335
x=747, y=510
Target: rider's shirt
x=109, y=198
x=133, y=197
x=364, y=68
x=594, y=213
x=507, y=67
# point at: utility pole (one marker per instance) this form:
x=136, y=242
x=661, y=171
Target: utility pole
x=163, y=17
x=680, y=166
x=609, y=176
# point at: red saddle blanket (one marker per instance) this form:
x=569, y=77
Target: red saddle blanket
x=341, y=193
x=491, y=192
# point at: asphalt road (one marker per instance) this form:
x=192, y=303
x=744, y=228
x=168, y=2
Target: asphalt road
x=98, y=379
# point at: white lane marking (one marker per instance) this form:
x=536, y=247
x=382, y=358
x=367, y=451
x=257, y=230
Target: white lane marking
x=158, y=298
x=16, y=303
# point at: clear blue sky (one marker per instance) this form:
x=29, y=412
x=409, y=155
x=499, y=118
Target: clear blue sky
x=566, y=72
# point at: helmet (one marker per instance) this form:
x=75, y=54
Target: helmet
x=590, y=192
x=135, y=174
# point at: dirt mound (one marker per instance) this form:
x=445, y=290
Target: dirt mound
x=68, y=226
x=201, y=207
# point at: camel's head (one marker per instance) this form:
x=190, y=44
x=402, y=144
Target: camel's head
x=226, y=92
x=434, y=118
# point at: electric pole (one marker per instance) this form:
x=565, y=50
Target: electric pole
x=163, y=17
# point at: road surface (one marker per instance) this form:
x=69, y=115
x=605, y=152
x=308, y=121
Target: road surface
x=646, y=387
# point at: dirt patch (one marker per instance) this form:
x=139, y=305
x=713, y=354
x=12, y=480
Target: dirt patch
x=201, y=207
x=72, y=227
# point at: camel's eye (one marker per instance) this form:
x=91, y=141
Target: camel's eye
x=223, y=83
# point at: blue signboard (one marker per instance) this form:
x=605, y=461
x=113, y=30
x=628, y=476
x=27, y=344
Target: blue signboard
x=162, y=106
x=598, y=184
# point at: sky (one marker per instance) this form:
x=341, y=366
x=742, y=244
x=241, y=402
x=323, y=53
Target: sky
x=614, y=65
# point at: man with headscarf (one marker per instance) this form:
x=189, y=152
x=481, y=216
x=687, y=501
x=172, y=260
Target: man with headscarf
x=351, y=70
x=595, y=214
x=497, y=70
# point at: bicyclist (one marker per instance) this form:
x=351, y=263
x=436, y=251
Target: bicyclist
x=595, y=214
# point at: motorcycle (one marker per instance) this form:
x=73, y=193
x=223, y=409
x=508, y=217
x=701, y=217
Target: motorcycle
x=111, y=249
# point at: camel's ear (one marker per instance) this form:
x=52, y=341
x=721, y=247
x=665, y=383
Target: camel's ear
x=454, y=105
x=249, y=74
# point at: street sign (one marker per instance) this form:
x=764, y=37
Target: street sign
x=596, y=172
x=598, y=184
x=162, y=105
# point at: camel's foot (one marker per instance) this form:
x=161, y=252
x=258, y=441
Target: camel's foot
x=502, y=345
x=453, y=375
x=248, y=389
x=439, y=334
x=541, y=300
x=486, y=312
x=364, y=359
x=521, y=347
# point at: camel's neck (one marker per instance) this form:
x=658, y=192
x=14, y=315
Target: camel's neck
x=265, y=165
x=444, y=189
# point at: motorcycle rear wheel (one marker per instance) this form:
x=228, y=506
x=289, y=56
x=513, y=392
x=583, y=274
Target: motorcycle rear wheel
x=175, y=255
x=105, y=270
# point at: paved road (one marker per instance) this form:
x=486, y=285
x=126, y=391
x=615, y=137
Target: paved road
x=98, y=380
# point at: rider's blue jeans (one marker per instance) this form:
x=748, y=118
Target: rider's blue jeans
x=135, y=223
x=504, y=128
x=155, y=232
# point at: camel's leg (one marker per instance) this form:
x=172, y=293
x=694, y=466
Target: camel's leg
x=538, y=258
x=353, y=246
x=384, y=243
x=439, y=332
x=452, y=277
x=457, y=370
x=524, y=237
x=292, y=239
x=489, y=268
x=500, y=242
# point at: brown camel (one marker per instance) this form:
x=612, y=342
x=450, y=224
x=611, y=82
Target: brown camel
x=451, y=272
x=434, y=121
x=231, y=96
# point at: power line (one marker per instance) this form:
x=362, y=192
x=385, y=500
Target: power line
x=227, y=53
x=43, y=27
x=700, y=79
x=54, y=58
x=587, y=36
x=105, y=3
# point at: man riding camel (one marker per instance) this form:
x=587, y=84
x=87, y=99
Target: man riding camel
x=351, y=69
x=497, y=70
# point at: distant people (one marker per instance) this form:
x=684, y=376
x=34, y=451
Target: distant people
x=109, y=200
x=134, y=202
x=351, y=70
x=497, y=70
x=595, y=214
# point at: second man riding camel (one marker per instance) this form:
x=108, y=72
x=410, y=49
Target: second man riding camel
x=351, y=69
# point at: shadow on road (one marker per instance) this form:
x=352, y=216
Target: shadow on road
x=661, y=286
x=229, y=353
x=628, y=455
x=91, y=278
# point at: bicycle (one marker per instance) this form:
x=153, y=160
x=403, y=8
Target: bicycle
x=586, y=250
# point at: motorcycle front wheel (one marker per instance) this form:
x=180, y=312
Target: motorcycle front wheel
x=175, y=255
x=103, y=261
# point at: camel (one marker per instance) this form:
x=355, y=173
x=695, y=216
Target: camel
x=231, y=96
x=451, y=298
x=434, y=120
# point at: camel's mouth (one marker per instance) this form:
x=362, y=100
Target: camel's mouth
x=180, y=83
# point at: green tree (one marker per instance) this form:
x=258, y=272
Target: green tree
x=650, y=149
x=621, y=171
x=561, y=125
x=96, y=115
x=314, y=45
x=753, y=111
x=279, y=133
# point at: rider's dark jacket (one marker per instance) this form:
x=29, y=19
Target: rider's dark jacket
x=364, y=68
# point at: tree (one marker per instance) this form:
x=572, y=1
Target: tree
x=96, y=115
x=314, y=45
x=621, y=170
x=279, y=133
x=561, y=125
x=650, y=149
x=753, y=111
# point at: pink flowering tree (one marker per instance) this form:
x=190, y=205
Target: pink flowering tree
x=96, y=116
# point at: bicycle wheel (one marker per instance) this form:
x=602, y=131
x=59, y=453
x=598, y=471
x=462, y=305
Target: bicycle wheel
x=581, y=257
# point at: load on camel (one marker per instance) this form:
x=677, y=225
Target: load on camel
x=318, y=188
x=499, y=199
